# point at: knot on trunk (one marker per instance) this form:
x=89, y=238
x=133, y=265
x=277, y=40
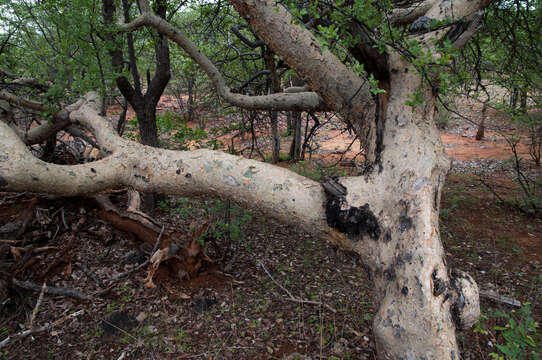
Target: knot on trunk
x=353, y=221
x=466, y=301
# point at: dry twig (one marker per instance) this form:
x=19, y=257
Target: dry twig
x=25, y=333
x=52, y=290
x=36, y=308
x=90, y=274
x=293, y=298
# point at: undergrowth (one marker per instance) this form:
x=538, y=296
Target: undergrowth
x=517, y=333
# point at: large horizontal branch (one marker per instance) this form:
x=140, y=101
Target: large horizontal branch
x=306, y=101
x=278, y=192
x=19, y=101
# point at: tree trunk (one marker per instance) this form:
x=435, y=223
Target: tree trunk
x=146, y=119
x=190, y=86
x=289, y=123
x=480, y=133
x=414, y=290
x=269, y=58
x=523, y=101
x=121, y=124
x=275, y=137
x=295, y=147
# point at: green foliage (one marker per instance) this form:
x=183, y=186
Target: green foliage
x=227, y=219
x=59, y=41
x=519, y=333
x=315, y=171
x=185, y=137
x=520, y=336
x=168, y=121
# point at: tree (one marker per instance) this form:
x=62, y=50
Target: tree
x=144, y=104
x=389, y=215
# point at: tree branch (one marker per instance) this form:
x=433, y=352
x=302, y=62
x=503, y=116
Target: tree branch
x=251, y=44
x=279, y=192
x=44, y=131
x=462, y=32
x=341, y=89
x=309, y=101
x=22, y=81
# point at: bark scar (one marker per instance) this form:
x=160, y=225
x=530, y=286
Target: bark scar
x=352, y=220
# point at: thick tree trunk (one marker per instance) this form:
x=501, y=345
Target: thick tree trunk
x=418, y=306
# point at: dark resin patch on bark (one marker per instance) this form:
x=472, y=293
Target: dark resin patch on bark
x=439, y=285
x=405, y=222
x=353, y=220
x=3, y=182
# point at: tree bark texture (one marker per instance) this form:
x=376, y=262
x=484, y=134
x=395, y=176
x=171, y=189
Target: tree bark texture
x=295, y=146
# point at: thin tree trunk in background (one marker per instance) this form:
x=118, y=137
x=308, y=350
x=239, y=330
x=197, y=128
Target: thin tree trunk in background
x=269, y=58
x=295, y=147
x=121, y=124
x=523, y=101
x=480, y=133
x=514, y=98
x=297, y=136
x=289, y=123
x=275, y=136
x=190, y=87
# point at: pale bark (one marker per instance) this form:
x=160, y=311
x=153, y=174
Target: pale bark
x=436, y=9
x=414, y=290
x=281, y=101
x=290, y=197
